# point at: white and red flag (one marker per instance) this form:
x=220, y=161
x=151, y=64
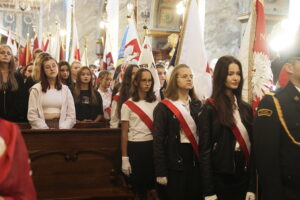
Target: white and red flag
x=132, y=48
x=254, y=56
x=191, y=50
x=108, y=60
x=147, y=59
x=74, y=41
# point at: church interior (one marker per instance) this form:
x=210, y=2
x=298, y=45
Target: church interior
x=84, y=162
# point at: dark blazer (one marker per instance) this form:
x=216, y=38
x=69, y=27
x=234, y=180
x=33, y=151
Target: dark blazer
x=217, y=146
x=167, y=138
x=277, y=157
x=13, y=104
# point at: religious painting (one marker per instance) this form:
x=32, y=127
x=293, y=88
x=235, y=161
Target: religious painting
x=167, y=18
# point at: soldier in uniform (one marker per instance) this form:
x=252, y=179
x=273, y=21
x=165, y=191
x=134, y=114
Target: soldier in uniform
x=277, y=139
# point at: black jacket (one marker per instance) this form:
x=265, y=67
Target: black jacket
x=167, y=138
x=277, y=157
x=13, y=104
x=217, y=146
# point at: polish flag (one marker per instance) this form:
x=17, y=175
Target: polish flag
x=254, y=56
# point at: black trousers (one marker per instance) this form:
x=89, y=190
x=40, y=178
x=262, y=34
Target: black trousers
x=141, y=160
x=185, y=184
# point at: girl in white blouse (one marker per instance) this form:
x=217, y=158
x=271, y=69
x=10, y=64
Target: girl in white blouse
x=137, y=139
x=51, y=104
x=105, y=91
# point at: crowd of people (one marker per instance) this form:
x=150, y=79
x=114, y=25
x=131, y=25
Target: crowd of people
x=173, y=145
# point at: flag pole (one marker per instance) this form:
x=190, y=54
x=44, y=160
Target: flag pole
x=182, y=31
x=251, y=61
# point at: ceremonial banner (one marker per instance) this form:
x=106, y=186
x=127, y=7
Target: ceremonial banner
x=191, y=51
x=254, y=56
x=146, y=59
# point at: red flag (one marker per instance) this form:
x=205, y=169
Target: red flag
x=27, y=53
x=45, y=46
x=35, y=44
x=61, y=53
x=22, y=61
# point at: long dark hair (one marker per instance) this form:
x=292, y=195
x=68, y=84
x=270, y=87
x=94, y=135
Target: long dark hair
x=223, y=101
x=77, y=88
x=150, y=97
x=68, y=81
x=44, y=80
x=125, y=87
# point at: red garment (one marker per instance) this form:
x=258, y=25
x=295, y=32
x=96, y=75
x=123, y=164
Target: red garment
x=15, y=180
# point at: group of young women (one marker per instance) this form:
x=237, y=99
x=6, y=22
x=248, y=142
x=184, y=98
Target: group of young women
x=46, y=95
x=176, y=148
x=180, y=147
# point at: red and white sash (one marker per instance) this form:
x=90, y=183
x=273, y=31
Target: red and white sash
x=186, y=121
x=148, y=120
x=241, y=137
x=116, y=97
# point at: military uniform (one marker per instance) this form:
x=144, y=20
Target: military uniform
x=277, y=145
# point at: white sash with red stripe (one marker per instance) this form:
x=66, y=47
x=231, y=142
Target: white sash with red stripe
x=145, y=114
x=186, y=121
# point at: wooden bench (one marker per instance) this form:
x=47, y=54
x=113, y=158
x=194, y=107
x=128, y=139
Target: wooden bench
x=76, y=163
x=102, y=124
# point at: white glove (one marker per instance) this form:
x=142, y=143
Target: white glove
x=250, y=196
x=126, y=167
x=162, y=180
x=212, y=197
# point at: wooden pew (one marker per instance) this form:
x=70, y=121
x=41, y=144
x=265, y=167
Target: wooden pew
x=101, y=124
x=76, y=163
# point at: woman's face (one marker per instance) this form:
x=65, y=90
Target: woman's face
x=51, y=69
x=85, y=76
x=5, y=55
x=106, y=81
x=74, y=69
x=28, y=71
x=233, y=76
x=145, y=82
x=185, y=79
x=64, y=72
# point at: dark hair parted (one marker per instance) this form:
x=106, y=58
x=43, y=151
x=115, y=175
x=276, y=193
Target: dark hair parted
x=44, y=79
x=77, y=88
x=224, y=102
x=125, y=87
x=134, y=93
x=67, y=81
x=172, y=87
